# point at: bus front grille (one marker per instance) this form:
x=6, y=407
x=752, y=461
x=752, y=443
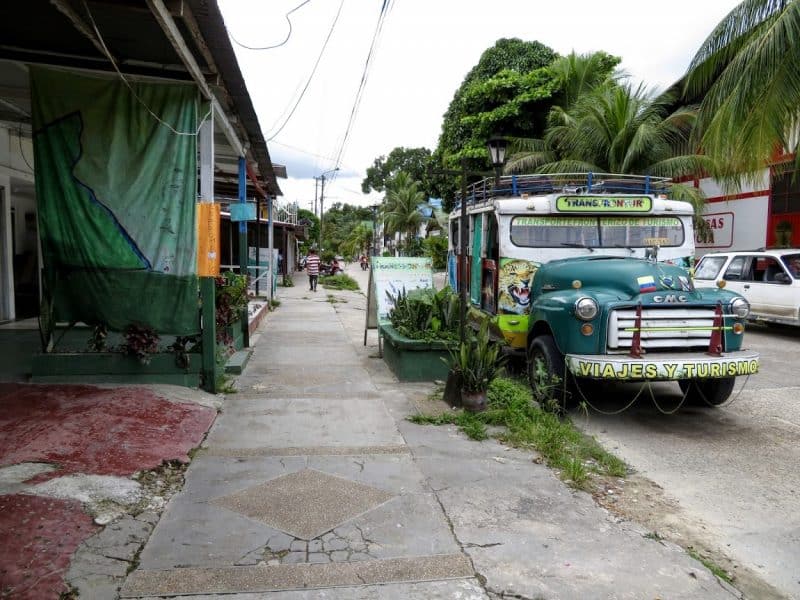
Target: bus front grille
x=662, y=328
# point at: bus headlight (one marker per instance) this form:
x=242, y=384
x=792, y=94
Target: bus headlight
x=586, y=308
x=740, y=307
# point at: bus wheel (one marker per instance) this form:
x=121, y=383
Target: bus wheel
x=546, y=373
x=712, y=392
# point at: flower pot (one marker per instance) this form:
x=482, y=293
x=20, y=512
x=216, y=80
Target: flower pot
x=473, y=401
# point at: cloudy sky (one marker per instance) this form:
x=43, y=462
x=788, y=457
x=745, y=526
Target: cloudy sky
x=421, y=55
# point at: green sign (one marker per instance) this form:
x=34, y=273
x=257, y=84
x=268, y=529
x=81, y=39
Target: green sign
x=593, y=204
x=242, y=211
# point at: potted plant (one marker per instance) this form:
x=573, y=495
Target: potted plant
x=422, y=329
x=477, y=362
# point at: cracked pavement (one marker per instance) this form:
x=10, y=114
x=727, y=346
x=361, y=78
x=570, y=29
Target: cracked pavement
x=437, y=516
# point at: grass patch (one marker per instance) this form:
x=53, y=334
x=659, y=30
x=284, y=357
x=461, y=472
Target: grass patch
x=334, y=300
x=561, y=445
x=274, y=303
x=718, y=571
x=338, y=282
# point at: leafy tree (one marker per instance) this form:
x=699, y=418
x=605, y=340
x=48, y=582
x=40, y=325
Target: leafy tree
x=339, y=222
x=435, y=248
x=312, y=222
x=508, y=56
x=414, y=161
x=401, y=206
x=618, y=129
x=358, y=242
x=511, y=92
x=748, y=75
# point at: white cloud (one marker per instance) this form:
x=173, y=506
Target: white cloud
x=423, y=54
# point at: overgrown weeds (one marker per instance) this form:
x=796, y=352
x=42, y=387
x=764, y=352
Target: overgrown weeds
x=339, y=282
x=561, y=444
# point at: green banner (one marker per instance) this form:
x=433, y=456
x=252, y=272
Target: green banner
x=116, y=193
x=604, y=204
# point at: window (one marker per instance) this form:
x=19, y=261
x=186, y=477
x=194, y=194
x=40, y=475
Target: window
x=640, y=232
x=551, y=232
x=739, y=269
x=596, y=232
x=709, y=267
x=785, y=192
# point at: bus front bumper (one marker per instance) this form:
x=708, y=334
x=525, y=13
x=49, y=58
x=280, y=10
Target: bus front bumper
x=664, y=367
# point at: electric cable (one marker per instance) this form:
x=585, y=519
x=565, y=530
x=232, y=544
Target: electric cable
x=110, y=57
x=385, y=8
x=21, y=153
x=288, y=35
x=310, y=77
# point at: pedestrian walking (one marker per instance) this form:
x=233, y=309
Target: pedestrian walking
x=312, y=267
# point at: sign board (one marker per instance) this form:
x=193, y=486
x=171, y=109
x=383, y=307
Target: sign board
x=393, y=275
x=242, y=211
x=208, y=248
x=604, y=204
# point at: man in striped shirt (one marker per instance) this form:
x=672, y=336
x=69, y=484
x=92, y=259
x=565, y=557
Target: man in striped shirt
x=312, y=266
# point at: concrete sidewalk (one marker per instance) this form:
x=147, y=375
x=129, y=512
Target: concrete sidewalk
x=313, y=484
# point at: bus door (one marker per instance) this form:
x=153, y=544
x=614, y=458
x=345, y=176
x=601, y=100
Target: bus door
x=489, y=271
x=475, y=251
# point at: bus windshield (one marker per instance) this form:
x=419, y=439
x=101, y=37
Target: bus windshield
x=596, y=231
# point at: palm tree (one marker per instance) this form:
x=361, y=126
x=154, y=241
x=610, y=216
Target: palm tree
x=401, y=206
x=748, y=69
x=618, y=129
x=358, y=241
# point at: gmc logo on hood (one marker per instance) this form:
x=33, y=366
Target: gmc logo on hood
x=670, y=298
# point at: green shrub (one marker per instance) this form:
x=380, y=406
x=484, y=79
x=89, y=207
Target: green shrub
x=436, y=249
x=478, y=361
x=425, y=314
x=338, y=282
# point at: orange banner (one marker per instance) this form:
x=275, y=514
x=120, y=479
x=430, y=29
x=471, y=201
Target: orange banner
x=208, y=230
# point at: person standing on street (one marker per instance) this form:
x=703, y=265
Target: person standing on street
x=312, y=266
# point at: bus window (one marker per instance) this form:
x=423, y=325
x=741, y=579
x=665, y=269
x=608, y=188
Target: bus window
x=640, y=232
x=554, y=232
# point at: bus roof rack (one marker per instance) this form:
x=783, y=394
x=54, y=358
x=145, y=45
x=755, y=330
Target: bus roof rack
x=568, y=183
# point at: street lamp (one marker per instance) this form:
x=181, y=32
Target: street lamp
x=497, y=154
x=321, y=200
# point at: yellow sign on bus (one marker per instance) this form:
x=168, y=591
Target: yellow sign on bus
x=593, y=204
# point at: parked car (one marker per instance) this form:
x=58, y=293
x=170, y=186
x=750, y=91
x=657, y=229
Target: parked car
x=769, y=279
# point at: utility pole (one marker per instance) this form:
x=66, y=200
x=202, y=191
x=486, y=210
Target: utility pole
x=322, y=203
x=321, y=209
x=315, y=196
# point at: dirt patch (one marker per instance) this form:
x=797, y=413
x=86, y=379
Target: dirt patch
x=637, y=499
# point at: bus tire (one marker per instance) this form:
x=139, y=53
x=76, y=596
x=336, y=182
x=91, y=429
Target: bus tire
x=707, y=392
x=546, y=374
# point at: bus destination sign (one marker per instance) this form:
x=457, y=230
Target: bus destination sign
x=591, y=204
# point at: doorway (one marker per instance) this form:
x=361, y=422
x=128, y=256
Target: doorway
x=6, y=261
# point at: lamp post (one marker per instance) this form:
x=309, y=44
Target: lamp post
x=321, y=201
x=497, y=154
x=374, y=208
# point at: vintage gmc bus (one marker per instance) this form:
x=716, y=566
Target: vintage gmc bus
x=584, y=273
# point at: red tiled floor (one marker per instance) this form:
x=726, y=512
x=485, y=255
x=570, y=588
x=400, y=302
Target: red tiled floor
x=37, y=539
x=99, y=431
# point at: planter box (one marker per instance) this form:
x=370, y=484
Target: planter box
x=413, y=360
x=114, y=367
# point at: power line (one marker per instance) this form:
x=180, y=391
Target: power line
x=385, y=8
x=288, y=35
x=310, y=77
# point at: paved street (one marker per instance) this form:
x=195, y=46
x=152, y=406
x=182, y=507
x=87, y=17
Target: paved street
x=312, y=479
x=733, y=471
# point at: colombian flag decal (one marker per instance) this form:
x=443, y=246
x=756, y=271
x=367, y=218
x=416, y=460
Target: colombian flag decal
x=646, y=284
